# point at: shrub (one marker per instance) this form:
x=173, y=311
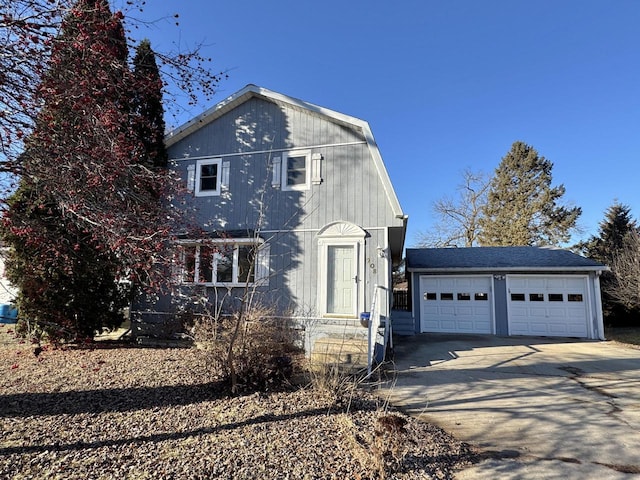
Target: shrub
x=383, y=451
x=250, y=350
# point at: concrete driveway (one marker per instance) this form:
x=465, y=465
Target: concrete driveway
x=539, y=407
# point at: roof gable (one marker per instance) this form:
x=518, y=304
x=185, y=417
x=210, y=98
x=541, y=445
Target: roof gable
x=497, y=259
x=253, y=91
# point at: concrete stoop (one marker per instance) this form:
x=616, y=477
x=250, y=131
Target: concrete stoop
x=349, y=352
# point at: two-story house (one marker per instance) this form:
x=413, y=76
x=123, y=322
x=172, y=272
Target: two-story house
x=303, y=186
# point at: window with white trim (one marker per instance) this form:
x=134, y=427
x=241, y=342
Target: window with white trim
x=223, y=263
x=296, y=170
x=208, y=177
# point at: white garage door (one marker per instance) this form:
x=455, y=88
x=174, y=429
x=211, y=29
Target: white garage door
x=548, y=305
x=456, y=304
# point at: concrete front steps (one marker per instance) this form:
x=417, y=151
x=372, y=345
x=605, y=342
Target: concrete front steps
x=344, y=351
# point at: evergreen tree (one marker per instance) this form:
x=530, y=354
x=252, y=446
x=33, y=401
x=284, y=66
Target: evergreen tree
x=522, y=207
x=612, y=231
x=86, y=212
x=71, y=288
x=615, y=233
x=147, y=104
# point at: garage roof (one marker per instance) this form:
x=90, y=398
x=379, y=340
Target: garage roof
x=497, y=259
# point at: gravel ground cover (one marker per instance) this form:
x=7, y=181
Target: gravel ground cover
x=117, y=411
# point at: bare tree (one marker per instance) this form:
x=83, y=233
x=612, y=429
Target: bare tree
x=625, y=286
x=458, y=217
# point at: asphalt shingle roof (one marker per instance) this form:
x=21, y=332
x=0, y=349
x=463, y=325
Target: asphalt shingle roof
x=497, y=258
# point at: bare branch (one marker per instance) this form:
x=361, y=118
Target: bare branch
x=458, y=218
x=625, y=286
x=29, y=31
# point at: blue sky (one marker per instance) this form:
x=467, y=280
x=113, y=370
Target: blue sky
x=446, y=85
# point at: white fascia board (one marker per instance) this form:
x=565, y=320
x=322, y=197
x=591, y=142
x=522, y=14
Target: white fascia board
x=510, y=269
x=382, y=173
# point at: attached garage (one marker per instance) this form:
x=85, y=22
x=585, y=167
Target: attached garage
x=505, y=291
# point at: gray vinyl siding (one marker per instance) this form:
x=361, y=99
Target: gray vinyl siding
x=596, y=305
x=416, y=296
x=403, y=323
x=294, y=286
x=258, y=125
x=500, y=304
x=351, y=191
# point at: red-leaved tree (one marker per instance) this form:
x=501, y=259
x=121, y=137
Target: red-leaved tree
x=29, y=29
x=93, y=205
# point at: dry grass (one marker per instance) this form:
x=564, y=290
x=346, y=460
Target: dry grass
x=629, y=336
x=116, y=411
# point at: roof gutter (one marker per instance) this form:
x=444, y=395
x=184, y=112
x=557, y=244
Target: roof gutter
x=506, y=269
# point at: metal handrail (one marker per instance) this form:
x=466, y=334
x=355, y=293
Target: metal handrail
x=374, y=325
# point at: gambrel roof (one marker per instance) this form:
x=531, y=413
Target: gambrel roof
x=253, y=91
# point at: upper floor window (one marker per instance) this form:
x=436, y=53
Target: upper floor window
x=296, y=171
x=208, y=177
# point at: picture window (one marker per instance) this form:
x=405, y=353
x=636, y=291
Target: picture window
x=219, y=263
x=246, y=270
x=205, y=272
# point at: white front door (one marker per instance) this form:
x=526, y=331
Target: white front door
x=341, y=281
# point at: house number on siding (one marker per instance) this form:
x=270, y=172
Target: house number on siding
x=372, y=265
